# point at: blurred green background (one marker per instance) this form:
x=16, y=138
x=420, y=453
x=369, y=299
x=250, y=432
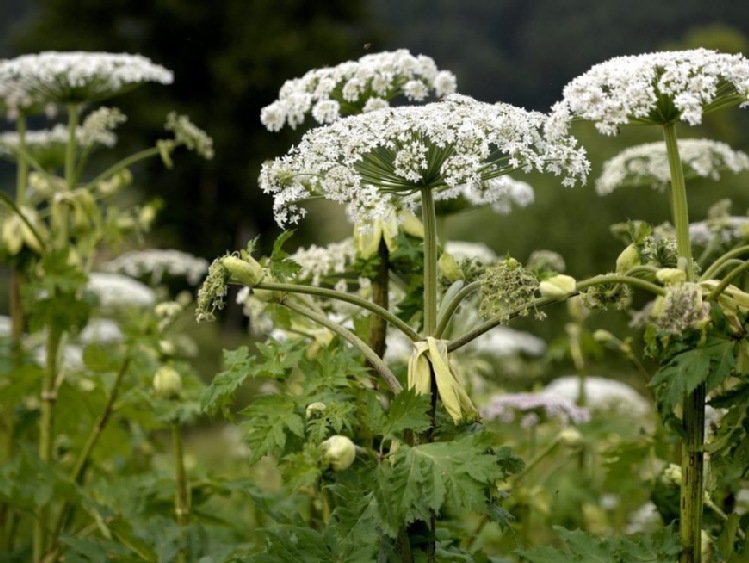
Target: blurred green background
x=230, y=57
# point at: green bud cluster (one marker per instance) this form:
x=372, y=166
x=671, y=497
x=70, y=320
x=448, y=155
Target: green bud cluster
x=507, y=287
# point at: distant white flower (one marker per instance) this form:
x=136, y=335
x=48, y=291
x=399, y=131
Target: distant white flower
x=6, y=326
x=356, y=86
x=101, y=331
x=320, y=261
x=518, y=406
x=116, y=290
x=188, y=134
x=157, y=262
x=501, y=193
x=75, y=77
x=647, y=165
x=655, y=88
x=601, y=394
x=742, y=502
x=378, y=161
x=471, y=251
x=70, y=357
x=728, y=229
x=55, y=138
x=645, y=519
x=504, y=341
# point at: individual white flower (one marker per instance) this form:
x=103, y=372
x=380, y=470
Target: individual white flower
x=516, y=406
x=645, y=520
x=647, y=165
x=356, y=86
x=655, y=88
x=378, y=161
x=471, y=251
x=601, y=394
x=76, y=77
x=6, y=326
x=101, y=331
x=115, y=290
x=157, y=262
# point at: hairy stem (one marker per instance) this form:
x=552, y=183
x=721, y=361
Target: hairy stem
x=70, y=169
x=692, y=461
x=444, y=320
x=124, y=163
x=352, y=339
x=380, y=297
x=347, y=298
x=429, y=218
x=716, y=266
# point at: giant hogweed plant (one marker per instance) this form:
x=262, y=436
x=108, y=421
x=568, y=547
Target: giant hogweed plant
x=83, y=343
x=386, y=462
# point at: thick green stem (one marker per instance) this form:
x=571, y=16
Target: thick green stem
x=716, y=266
x=181, y=495
x=429, y=218
x=692, y=461
x=346, y=297
x=352, y=339
x=41, y=533
x=380, y=297
x=69, y=170
x=725, y=282
x=444, y=320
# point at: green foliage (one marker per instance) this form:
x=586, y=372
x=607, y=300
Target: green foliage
x=281, y=266
x=584, y=547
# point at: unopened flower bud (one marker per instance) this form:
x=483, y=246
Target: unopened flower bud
x=450, y=269
x=558, y=286
x=247, y=271
x=167, y=382
x=570, y=437
x=603, y=336
x=670, y=276
x=314, y=410
x=628, y=259
x=340, y=452
x=411, y=224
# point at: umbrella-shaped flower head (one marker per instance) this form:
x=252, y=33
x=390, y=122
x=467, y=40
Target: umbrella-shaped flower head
x=655, y=88
x=377, y=161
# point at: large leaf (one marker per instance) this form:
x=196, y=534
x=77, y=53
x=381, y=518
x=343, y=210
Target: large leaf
x=270, y=419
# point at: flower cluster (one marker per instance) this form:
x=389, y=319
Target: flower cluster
x=532, y=406
x=356, y=86
x=507, y=287
x=157, y=262
x=99, y=124
x=188, y=134
x=477, y=251
x=376, y=161
x=318, y=262
x=680, y=309
x=601, y=394
x=647, y=165
x=727, y=229
x=73, y=77
x=502, y=194
x=655, y=88
x=116, y=290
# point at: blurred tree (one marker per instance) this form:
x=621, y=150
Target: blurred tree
x=229, y=58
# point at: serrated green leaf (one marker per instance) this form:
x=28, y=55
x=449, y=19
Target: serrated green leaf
x=270, y=418
x=281, y=266
x=585, y=546
x=220, y=392
x=356, y=524
x=102, y=358
x=408, y=411
x=431, y=477
x=295, y=543
x=710, y=363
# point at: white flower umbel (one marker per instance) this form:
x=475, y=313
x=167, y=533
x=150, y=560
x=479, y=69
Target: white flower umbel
x=116, y=290
x=522, y=407
x=356, y=86
x=471, y=251
x=501, y=193
x=727, y=229
x=648, y=165
x=157, y=262
x=655, y=88
x=601, y=394
x=76, y=77
x=101, y=331
x=381, y=160
x=53, y=139
x=318, y=262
